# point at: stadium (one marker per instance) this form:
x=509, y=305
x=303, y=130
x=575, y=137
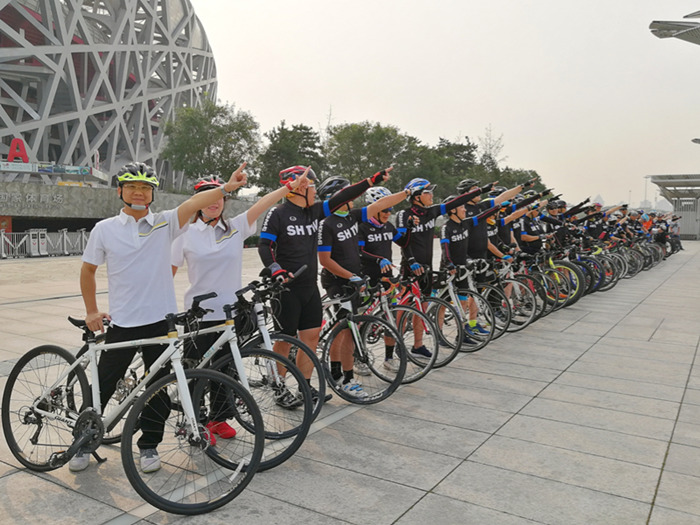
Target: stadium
x=86, y=86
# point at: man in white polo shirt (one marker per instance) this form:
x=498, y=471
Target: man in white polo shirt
x=136, y=245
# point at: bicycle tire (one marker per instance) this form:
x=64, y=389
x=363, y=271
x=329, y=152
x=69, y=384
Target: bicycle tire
x=34, y=373
x=522, y=303
x=448, y=322
x=575, y=277
x=285, y=428
x=380, y=383
x=417, y=366
x=485, y=320
x=194, y=477
x=537, y=290
x=550, y=289
x=297, y=348
x=501, y=308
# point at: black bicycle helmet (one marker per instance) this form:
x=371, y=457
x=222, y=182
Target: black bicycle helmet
x=467, y=184
x=331, y=186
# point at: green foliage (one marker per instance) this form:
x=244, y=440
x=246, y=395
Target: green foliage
x=298, y=145
x=215, y=139
x=210, y=140
x=356, y=151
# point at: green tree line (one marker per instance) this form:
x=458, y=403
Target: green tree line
x=214, y=138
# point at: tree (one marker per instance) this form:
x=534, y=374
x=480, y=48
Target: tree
x=356, y=151
x=211, y=140
x=298, y=145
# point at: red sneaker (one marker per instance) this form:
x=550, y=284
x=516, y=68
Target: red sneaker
x=221, y=429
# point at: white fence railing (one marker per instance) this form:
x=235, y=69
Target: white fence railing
x=39, y=242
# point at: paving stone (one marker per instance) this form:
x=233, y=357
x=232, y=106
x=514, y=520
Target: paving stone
x=571, y=436
x=439, y=509
x=679, y=492
x=538, y=499
x=605, y=419
x=610, y=476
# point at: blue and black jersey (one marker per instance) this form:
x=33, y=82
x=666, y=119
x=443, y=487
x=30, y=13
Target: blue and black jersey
x=289, y=235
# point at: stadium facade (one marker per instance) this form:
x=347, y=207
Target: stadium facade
x=88, y=85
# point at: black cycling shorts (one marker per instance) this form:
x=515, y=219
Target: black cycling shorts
x=299, y=309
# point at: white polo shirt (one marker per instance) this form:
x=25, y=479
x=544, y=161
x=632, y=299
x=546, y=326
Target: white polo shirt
x=139, y=275
x=214, y=258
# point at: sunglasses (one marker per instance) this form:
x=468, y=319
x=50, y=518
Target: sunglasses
x=388, y=210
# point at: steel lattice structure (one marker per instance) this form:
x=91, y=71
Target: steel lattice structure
x=89, y=80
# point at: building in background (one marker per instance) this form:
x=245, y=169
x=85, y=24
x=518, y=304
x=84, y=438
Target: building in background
x=90, y=84
x=682, y=191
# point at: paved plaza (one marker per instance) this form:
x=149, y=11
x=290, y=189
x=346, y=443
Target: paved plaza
x=589, y=416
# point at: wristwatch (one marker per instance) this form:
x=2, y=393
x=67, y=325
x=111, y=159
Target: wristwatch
x=224, y=192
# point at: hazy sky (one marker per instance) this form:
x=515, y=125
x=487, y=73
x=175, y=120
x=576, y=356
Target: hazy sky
x=580, y=91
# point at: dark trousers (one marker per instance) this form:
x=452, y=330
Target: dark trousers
x=221, y=407
x=114, y=364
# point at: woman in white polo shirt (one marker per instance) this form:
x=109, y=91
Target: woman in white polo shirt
x=213, y=250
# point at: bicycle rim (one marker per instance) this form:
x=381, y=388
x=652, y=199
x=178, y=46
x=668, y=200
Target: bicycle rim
x=194, y=477
x=31, y=437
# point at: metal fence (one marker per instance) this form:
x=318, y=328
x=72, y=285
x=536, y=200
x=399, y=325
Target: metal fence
x=40, y=243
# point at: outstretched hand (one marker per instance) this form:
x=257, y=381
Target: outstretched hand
x=238, y=178
x=301, y=183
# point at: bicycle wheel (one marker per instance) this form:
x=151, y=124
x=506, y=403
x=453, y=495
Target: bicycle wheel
x=478, y=309
x=563, y=285
x=575, y=277
x=522, y=303
x=409, y=320
x=194, y=477
x=450, y=330
x=501, y=307
x=538, y=292
x=267, y=374
x=32, y=437
x=369, y=349
x=551, y=291
x=298, y=351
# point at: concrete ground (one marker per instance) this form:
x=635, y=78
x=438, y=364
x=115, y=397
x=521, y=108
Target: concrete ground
x=590, y=415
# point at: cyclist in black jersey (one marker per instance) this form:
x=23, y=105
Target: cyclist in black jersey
x=339, y=255
x=418, y=253
x=376, y=237
x=532, y=234
x=288, y=241
x=454, y=243
x=476, y=216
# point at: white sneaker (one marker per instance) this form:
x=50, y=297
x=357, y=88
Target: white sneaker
x=362, y=369
x=79, y=462
x=354, y=388
x=391, y=365
x=150, y=460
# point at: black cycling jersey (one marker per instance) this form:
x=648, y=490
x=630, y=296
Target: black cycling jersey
x=454, y=241
x=338, y=236
x=375, y=244
x=530, y=226
x=504, y=231
x=478, y=231
x=594, y=228
x=289, y=235
x=420, y=245
x=494, y=239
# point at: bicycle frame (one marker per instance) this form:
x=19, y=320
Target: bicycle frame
x=172, y=353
